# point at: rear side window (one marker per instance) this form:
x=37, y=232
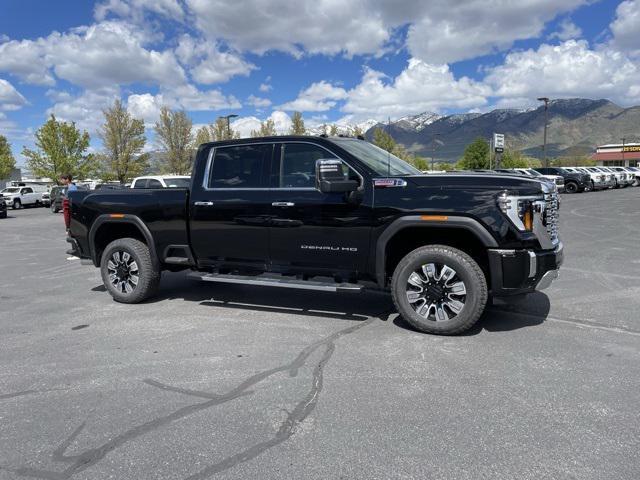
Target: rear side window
x=153, y=183
x=142, y=183
x=26, y=190
x=239, y=166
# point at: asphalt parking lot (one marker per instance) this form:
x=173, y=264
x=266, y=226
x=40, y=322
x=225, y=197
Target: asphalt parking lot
x=217, y=381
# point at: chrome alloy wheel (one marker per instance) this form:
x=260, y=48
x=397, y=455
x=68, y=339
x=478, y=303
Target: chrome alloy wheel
x=123, y=272
x=436, y=292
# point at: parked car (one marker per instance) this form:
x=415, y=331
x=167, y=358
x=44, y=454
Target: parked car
x=573, y=182
x=300, y=212
x=167, y=181
x=18, y=197
x=635, y=171
x=3, y=210
x=630, y=178
x=46, y=199
x=598, y=179
x=57, y=195
x=555, y=179
x=610, y=178
x=619, y=177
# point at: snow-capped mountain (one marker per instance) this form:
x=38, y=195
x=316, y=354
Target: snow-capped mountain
x=418, y=122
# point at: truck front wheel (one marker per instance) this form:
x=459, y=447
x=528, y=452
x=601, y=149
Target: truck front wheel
x=439, y=289
x=128, y=272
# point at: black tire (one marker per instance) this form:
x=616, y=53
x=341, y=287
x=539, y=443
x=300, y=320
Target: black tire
x=468, y=272
x=148, y=276
x=16, y=204
x=571, y=187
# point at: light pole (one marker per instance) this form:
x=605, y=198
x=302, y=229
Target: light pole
x=229, y=117
x=544, y=145
x=623, y=164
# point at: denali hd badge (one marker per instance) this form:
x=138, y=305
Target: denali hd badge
x=328, y=247
x=389, y=182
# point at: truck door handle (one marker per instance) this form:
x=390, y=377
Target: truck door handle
x=203, y=204
x=283, y=204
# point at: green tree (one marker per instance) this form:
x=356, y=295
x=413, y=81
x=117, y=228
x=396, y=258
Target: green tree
x=221, y=130
x=61, y=148
x=173, y=133
x=513, y=159
x=476, y=155
x=357, y=132
x=7, y=162
x=573, y=161
x=297, y=124
x=447, y=167
x=267, y=129
x=383, y=140
x=123, y=141
x=333, y=130
x=203, y=135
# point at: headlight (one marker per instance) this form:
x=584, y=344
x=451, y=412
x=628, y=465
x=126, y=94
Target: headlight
x=520, y=210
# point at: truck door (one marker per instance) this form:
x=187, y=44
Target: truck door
x=311, y=230
x=229, y=210
x=27, y=197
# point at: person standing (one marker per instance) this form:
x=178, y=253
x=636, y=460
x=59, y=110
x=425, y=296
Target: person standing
x=67, y=180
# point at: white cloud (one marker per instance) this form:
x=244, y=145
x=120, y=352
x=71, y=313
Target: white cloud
x=420, y=87
x=626, y=27
x=570, y=69
x=245, y=125
x=568, y=30
x=96, y=56
x=318, y=97
x=314, y=26
x=136, y=8
x=145, y=106
x=451, y=31
x=265, y=87
x=208, y=63
x=85, y=109
x=10, y=98
x=258, y=102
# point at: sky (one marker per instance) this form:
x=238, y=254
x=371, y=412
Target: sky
x=334, y=61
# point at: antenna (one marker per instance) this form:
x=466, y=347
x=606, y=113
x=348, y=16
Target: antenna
x=388, y=152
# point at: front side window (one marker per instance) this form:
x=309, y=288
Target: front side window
x=153, y=183
x=26, y=190
x=238, y=166
x=297, y=166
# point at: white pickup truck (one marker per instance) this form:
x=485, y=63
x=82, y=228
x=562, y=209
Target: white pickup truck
x=18, y=197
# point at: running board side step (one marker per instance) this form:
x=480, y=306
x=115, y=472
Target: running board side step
x=270, y=281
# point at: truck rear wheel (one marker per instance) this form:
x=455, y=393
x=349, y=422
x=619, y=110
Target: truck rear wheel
x=439, y=289
x=128, y=272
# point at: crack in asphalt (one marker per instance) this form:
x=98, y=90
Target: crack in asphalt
x=300, y=412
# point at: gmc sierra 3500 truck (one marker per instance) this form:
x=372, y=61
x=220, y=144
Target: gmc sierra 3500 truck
x=332, y=214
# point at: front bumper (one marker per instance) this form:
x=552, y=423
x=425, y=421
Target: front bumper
x=514, y=272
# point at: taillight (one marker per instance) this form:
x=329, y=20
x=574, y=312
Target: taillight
x=66, y=212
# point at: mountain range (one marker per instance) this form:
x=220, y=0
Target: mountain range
x=575, y=127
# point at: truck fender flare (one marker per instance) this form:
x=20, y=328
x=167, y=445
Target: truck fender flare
x=463, y=223
x=129, y=219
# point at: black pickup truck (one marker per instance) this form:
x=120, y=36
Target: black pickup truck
x=332, y=214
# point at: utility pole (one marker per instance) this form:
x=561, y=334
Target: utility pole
x=228, y=118
x=544, y=145
x=623, y=163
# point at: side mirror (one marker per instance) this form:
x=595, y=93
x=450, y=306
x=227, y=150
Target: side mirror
x=330, y=177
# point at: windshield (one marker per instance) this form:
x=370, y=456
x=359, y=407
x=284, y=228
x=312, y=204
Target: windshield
x=177, y=182
x=11, y=190
x=380, y=161
x=533, y=173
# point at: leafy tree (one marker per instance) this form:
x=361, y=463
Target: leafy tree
x=447, y=167
x=419, y=162
x=513, y=159
x=173, y=133
x=333, y=130
x=357, y=131
x=476, y=155
x=220, y=130
x=61, y=148
x=386, y=142
x=267, y=129
x=203, y=135
x=572, y=161
x=123, y=140
x=383, y=140
x=7, y=162
x=297, y=124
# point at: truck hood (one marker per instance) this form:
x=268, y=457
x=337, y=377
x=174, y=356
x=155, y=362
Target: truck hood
x=480, y=181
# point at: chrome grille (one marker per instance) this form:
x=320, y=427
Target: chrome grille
x=550, y=218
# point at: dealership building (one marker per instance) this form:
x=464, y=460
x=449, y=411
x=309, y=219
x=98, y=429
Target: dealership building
x=618, y=155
